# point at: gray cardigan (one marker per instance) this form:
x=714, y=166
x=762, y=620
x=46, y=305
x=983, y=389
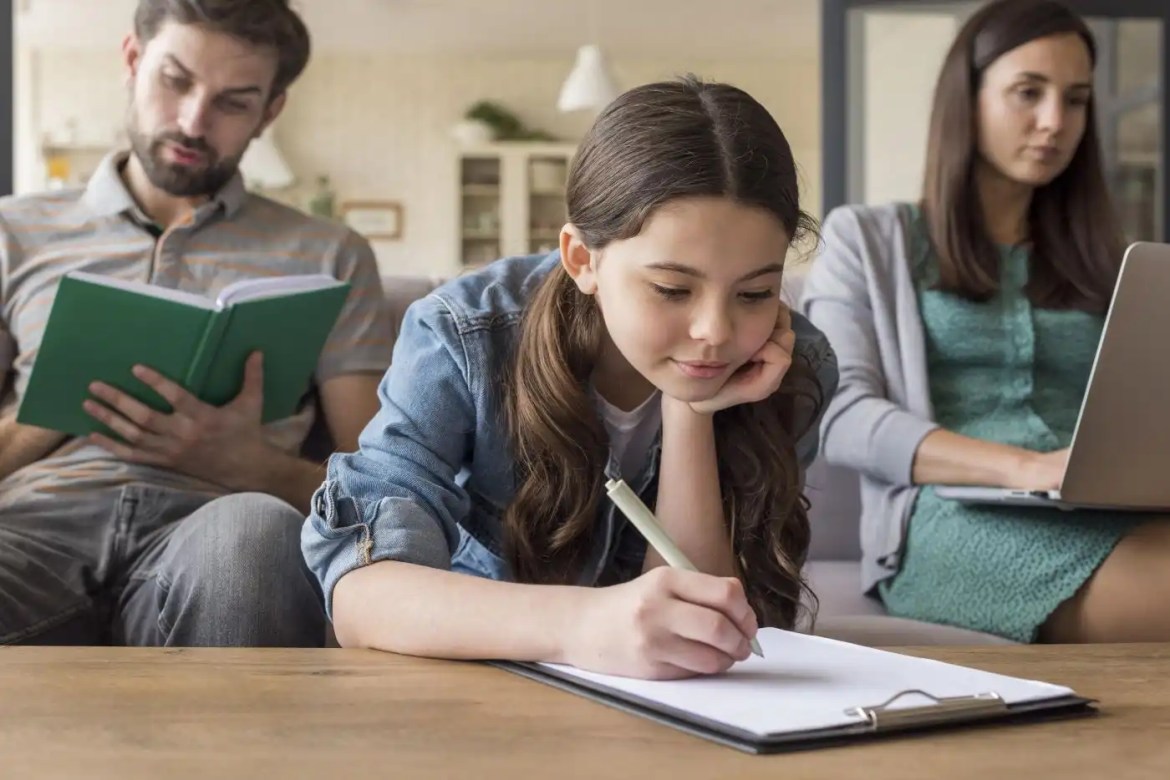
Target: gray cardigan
x=860, y=292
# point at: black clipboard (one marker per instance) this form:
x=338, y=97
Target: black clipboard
x=881, y=719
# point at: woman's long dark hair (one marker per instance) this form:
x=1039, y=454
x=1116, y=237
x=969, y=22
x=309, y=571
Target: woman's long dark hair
x=652, y=145
x=1076, y=244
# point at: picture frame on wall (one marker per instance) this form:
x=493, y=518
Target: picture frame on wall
x=377, y=220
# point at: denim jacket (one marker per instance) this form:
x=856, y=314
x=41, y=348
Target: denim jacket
x=434, y=473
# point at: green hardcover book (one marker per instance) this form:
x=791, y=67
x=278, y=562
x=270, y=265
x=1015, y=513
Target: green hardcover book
x=99, y=328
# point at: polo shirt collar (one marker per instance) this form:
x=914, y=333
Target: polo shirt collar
x=107, y=195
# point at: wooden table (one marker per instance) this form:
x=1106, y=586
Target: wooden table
x=203, y=713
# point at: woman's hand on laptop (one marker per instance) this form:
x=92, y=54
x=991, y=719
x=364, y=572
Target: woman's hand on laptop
x=1040, y=470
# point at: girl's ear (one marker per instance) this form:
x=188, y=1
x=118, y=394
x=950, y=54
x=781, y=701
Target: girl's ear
x=578, y=260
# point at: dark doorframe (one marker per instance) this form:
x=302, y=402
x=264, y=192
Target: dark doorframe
x=7, y=106
x=836, y=70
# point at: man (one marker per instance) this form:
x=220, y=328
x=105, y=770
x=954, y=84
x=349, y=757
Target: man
x=184, y=529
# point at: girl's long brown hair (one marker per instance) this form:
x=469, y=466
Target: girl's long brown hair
x=1076, y=244
x=652, y=145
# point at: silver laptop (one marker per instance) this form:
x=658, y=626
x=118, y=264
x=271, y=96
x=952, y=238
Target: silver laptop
x=1120, y=452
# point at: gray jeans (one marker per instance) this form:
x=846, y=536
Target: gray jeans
x=141, y=565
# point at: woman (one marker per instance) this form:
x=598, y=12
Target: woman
x=966, y=327
x=652, y=346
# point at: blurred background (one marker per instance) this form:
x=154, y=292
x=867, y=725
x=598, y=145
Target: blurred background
x=442, y=129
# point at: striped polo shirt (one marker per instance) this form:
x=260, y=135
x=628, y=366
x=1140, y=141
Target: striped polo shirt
x=235, y=235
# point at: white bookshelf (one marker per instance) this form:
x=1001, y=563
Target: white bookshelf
x=511, y=199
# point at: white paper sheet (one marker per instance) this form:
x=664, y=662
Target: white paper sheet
x=805, y=683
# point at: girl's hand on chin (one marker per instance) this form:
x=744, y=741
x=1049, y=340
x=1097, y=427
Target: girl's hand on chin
x=761, y=376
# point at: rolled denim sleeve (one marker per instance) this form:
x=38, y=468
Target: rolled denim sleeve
x=397, y=498
x=816, y=350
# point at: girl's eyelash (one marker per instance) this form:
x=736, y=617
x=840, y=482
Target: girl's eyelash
x=670, y=293
x=677, y=293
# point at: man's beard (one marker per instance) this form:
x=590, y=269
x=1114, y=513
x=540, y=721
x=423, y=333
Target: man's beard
x=182, y=181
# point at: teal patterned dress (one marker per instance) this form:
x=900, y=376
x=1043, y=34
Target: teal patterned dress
x=1008, y=372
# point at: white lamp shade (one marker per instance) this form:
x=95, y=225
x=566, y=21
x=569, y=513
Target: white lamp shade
x=590, y=85
x=263, y=165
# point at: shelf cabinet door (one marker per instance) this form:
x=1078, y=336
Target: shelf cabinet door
x=481, y=194
x=512, y=200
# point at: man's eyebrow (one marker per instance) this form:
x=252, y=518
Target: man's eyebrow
x=188, y=73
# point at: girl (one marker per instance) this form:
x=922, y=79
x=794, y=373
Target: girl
x=652, y=346
x=966, y=327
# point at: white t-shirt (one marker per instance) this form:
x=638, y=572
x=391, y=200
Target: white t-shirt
x=632, y=433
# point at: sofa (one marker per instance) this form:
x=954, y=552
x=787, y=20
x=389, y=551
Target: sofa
x=833, y=569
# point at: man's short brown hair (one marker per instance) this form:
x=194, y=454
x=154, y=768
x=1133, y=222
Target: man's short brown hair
x=270, y=23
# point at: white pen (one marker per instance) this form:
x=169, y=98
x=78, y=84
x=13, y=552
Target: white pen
x=643, y=519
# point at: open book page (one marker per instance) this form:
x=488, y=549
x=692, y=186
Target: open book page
x=272, y=287
x=805, y=683
x=153, y=290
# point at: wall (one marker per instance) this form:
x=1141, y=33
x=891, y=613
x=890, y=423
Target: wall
x=378, y=125
x=903, y=55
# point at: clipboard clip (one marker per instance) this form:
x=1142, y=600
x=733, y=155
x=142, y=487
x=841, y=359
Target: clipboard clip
x=948, y=709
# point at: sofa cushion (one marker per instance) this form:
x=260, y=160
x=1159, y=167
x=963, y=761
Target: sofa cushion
x=886, y=631
x=837, y=586
x=834, y=495
x=401, y=291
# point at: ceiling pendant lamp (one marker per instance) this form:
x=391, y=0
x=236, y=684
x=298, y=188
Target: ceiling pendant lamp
x=590, y=85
